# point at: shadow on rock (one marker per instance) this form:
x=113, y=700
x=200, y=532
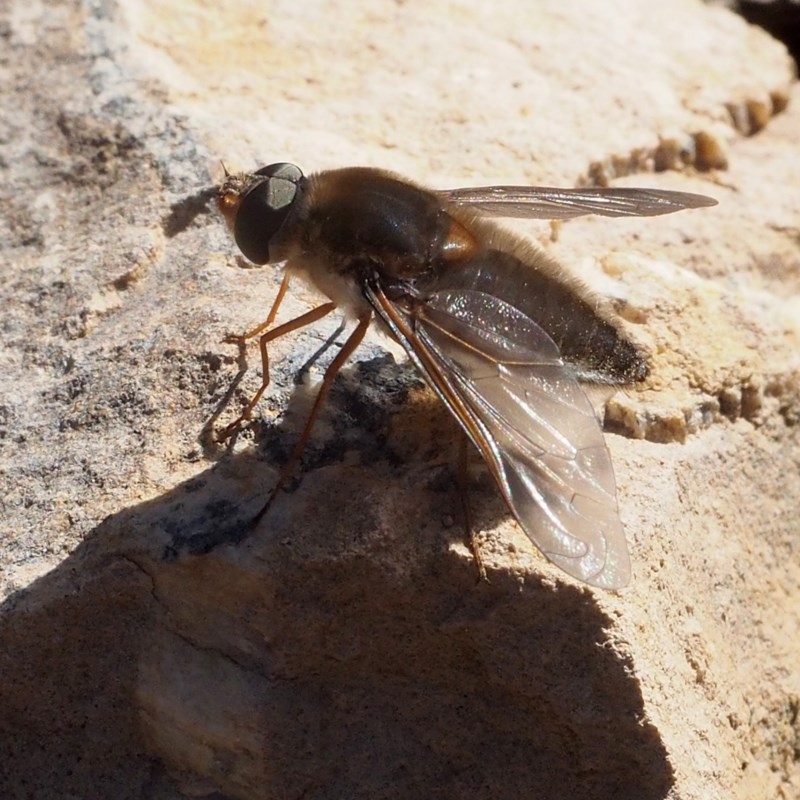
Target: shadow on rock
x=342, y=649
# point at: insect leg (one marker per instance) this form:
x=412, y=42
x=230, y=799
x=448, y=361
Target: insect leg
x=287, y=327
x=273, y=312
x=463, y=491
x=353, y=341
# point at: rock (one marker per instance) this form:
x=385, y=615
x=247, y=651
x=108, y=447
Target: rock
x=154, y=647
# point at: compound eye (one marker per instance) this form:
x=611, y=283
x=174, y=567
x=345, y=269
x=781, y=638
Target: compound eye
x=289, y=172
x=264, y=209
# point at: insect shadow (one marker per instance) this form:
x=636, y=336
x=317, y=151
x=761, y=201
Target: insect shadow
x=380, y=420
x=310, y=657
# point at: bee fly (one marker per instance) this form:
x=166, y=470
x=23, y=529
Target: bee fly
x=499, y=330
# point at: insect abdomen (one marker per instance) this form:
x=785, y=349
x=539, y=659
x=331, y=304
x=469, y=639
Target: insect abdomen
x=581, y=327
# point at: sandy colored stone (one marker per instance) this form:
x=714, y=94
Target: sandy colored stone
x=151, y=647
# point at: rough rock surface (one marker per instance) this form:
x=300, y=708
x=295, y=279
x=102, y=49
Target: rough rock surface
x=151, y=648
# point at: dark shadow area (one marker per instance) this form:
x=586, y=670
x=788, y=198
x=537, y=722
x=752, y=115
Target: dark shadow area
x=184, y=212
x=342, y=649
x=780, y=18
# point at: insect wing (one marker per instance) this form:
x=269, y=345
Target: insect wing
x=503, y=378
x=544, y=202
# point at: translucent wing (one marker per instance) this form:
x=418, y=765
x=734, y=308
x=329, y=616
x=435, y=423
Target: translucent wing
x=545, y=202
x=504, y=380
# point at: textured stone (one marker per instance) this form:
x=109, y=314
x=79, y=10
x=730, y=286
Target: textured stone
x=151, y=647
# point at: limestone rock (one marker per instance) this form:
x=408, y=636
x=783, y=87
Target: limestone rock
x=151, y=646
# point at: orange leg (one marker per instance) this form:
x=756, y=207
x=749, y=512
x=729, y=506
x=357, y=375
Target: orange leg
x=354, y=340
x=273, y=312
x=463, y=490
x=287, y=327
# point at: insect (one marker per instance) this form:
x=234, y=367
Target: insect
x=501, y=332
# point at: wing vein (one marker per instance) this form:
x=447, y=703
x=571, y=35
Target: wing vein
x=504, y=381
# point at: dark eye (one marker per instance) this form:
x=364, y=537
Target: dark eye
x=264, y=209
